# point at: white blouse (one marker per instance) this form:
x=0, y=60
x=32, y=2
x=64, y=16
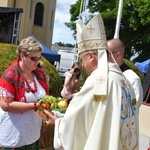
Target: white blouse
x=19, y=129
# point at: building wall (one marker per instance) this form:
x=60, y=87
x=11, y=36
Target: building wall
x=26, y=22
x=4, y=3
x=43, y=33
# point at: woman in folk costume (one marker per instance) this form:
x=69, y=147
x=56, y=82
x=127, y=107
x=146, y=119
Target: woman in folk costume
x=102, y=115
x=20, y=86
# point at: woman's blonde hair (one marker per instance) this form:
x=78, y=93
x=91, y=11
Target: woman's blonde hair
x=28, y=45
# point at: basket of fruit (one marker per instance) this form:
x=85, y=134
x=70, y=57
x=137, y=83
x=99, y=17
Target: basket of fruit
x=49, y=103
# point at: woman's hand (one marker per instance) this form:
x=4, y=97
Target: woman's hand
x=50, y=118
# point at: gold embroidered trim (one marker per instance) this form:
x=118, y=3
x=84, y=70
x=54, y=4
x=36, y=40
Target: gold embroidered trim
x=100, y=98
x=97, y=44
x=124, y=83
x=133, y=101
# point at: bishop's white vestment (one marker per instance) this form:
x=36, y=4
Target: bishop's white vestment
x=92, y=124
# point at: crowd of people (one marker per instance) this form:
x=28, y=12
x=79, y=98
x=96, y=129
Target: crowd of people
x=102, y=115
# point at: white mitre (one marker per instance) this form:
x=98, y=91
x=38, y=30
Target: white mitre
x=92, y=37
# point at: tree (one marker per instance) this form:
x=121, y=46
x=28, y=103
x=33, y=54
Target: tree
x=134, y=28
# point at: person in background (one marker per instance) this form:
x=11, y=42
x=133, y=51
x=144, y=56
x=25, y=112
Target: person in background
x=101, y=116
x=72, y=79
x=21, y=85
x=118, y=50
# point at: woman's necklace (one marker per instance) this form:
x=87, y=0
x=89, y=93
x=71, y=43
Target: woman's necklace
x=30, y=89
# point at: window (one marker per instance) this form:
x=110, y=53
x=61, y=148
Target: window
x=38, y=16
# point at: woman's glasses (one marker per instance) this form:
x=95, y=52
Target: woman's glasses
x=34, y=58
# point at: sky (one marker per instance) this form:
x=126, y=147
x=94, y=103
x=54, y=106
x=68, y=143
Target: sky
x=61, y=32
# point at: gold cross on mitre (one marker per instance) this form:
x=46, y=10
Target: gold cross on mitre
x=90, y=28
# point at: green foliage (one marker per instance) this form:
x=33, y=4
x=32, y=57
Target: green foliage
x=69, y=45
x=8, y=55
x=135, y=22
x=65, y=45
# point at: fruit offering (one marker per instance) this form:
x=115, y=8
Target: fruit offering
x=43, y=105
x=50, y=103
x=62, y=104
x=46, y=105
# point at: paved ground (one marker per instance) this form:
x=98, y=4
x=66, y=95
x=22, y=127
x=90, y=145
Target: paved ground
x=144, y=142
x=144, y=123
